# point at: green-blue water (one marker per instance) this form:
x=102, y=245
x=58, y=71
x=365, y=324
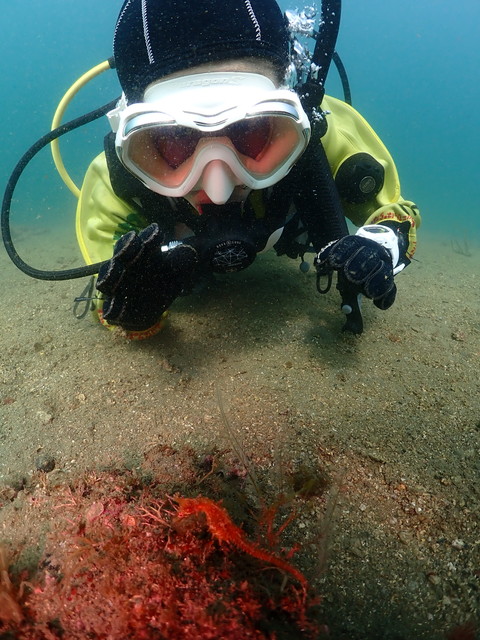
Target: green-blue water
x=413, y=68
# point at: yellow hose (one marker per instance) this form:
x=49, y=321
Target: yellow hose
x=57, y=120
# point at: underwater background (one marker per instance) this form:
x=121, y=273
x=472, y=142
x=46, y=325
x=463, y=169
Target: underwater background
x=412, y=66
x=373, y=439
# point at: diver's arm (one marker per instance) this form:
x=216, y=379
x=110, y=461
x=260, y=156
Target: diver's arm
x=141, y=274
x=102, y=218
x=359, y=161
x=369, y=188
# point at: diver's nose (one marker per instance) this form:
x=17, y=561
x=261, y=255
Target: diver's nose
x=218, y=181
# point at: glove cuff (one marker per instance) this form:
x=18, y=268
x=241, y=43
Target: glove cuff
x=131, y=334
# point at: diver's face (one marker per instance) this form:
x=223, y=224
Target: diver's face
x=218, y=180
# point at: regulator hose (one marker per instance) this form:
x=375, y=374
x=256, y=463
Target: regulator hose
x=41, y=274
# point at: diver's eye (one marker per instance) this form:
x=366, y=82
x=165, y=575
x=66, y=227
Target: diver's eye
x=175, y=144
x=250, y=136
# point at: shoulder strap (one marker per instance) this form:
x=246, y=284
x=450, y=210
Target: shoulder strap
x=310, y=186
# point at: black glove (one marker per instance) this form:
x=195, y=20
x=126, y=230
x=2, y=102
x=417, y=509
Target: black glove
x=141, y=281
x=365, y=264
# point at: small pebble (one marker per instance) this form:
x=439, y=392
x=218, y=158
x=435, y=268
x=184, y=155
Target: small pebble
x=357, y=549
x=44, y=417
x=458, y=544
x=405, y=537
x=45, y=462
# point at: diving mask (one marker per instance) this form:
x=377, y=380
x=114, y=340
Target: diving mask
x=212, y=132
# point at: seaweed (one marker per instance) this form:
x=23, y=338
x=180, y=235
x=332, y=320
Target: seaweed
x=145, y=565
x=461, y=247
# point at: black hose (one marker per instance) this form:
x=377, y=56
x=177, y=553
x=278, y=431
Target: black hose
x=313, y=89
x=327, y=38
x=40, y=274
x=347, y=94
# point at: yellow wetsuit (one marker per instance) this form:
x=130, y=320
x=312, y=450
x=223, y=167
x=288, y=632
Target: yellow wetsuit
x=102, y=217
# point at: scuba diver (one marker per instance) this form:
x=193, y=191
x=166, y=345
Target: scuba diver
x=223, y=145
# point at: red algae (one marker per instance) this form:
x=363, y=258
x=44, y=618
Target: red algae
x=130, y=565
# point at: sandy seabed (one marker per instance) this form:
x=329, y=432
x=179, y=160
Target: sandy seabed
x=388, y=421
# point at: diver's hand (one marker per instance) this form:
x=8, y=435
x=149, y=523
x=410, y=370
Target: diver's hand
x=141, y=280
x=364, y=263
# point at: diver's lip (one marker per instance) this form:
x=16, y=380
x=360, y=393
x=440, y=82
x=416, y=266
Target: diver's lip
x=201, y=198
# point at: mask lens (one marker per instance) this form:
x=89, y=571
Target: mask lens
x=175, y=144
x=250, y=136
